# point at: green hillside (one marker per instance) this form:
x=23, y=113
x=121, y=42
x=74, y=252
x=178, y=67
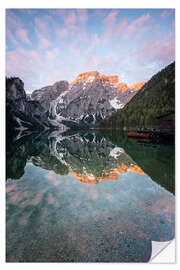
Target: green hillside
x=156, y=98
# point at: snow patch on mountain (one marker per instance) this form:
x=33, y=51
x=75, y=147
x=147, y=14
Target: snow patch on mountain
x=116, y=104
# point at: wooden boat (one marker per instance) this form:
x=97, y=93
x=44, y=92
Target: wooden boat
x=139, y=135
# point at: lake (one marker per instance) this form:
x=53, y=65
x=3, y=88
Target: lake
x=86, y=197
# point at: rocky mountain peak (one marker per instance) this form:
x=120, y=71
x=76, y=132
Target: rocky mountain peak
x=15, y=89
x=94, y=75
x=137, y=86
x=112, y=79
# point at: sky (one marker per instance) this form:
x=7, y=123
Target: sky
x=44, y=46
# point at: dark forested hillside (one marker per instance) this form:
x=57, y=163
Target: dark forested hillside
x=156, y=98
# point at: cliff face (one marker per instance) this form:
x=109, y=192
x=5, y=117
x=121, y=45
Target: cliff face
x=22, y=113
x=46, y=94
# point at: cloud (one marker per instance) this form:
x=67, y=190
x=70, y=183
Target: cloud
x=51, y=54
x=166, y=13
x=71, y=18
x=12, y=21
x=23, y=35
x=73, y=27
x=62, y=32
x=24, y=64
x=112, y=29
x=136, y=24
x=111, y=17
x=42, y=24
x=82, y=15
x=74, y=50
x=22, y=58
x=120, y=26
x=157, y=51
x=15, y=29
x=43, y=29
x=96, y=39
x=44, y=43
x=91, y=63
x=11, y=37
x=166, y=53
x=107, y=61
x=53, y=76
x=94, y=42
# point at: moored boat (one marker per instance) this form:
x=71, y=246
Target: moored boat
x=139, y=135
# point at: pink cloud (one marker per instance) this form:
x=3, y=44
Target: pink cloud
x=53, y=76
x=15, y=29
x=82, y=15
x=111, y=29
x=106, y=61
x=75, y=51
x=12, y=20
x=21, y=61
x=91, y=63
x=44, y=42
x=137, y=23
x=166, y=52
x=166, y=13
x=70, y=19
x=43, y=29
x=142, y=19
x=111, y=17
x=42, y=24
x=11, y=37
x=120, y=26
x=23, y=35
x=51, y=54
x=61, y=32
x=27, y=65
x=157, y=50
x=94, y=42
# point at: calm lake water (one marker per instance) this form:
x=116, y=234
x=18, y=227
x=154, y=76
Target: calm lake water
x=84, y=198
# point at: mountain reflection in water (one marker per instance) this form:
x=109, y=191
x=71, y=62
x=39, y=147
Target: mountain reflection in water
x=80, y=198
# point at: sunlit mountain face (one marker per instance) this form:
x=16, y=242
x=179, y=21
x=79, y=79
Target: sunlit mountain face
x=77, y=197
x=112, y=79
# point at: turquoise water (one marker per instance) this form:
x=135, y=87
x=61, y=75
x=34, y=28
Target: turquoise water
x=80, y=198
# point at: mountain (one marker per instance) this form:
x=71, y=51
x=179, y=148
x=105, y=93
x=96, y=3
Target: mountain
x=21, y=113
x=46, y=94
x=27, y=112
x=107, y=79
x=154, y=99
x=90, y=98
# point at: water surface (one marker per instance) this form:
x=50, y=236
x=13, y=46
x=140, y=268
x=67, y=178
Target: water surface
x=81, y=198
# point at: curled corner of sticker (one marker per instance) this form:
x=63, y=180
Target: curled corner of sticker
x=158, y=248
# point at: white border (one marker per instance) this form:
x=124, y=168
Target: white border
x=75, y=4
